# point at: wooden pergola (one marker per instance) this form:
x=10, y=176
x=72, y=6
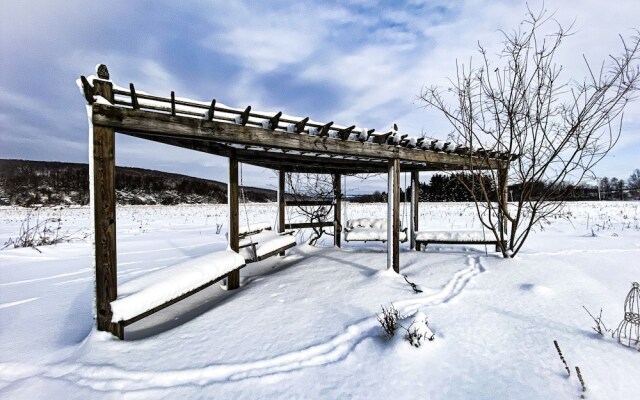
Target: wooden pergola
x=274, y=141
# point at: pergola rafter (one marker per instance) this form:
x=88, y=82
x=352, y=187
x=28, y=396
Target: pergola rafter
x=270, y=140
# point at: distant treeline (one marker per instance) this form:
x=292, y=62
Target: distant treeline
x=26, y=183
x=453, y=187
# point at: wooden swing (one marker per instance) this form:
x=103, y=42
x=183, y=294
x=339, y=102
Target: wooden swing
x=258, y=241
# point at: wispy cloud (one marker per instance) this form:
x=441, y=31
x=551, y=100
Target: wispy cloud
x=354, y=62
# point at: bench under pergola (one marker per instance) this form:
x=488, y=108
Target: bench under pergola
x=269, y=140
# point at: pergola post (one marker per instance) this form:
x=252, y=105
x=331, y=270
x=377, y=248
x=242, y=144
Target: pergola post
x=103, y=200
x=415, y=202
x=281, y=203
x=337, y=209
x=233, y=279
x=393, y=215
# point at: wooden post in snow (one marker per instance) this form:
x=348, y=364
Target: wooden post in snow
x=281, y=203
x=393, y=215
x=337, y=209
x=415, y=202
x=103, y=198
x=233, y=279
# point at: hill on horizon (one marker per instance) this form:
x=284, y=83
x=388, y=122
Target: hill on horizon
x=26, y=183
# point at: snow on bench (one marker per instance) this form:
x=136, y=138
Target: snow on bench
x=455, y=237
x=369, y=229
x=252, y=228
x=264, y=244
x=158, y=289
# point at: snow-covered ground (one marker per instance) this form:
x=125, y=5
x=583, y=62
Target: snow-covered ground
x=304, y=326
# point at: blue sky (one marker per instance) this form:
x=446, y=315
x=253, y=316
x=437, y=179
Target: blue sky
x=352, y=62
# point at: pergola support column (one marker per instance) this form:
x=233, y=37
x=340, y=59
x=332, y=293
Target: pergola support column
x=415, y=201
x=233, y=279
x=103, y=199
x=337, y=209
x=281, y=202
x=393, y=215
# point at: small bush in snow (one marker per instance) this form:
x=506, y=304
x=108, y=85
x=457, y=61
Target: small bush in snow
x=419, y=330
x=35, y=231
x=389, y=320
x=600, y=326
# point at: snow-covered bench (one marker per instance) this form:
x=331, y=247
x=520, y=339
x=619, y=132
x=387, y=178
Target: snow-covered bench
x=149, y=293
x=455, y=237
x=369, y=229
x=259, y=244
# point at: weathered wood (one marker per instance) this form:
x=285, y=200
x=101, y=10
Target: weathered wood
x=175, y=300
x=280, y=251
x=302, y=225
x=212, y=110
x=244, y=117
x=337, y=209
x=422, y=244
x=281, y=202
x=87, y=90
x=103, y=194
x=324, y=130
x=309, y=203
x=173, y=103
x=301, y=124
x=273, y=122
x=140, y=121
x=396, y=215
x=343, y=134
x=415, y=203
x=134, y=98
x=381, y=139
x=233, y=279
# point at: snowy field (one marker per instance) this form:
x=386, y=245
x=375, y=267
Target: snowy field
x=304, y=326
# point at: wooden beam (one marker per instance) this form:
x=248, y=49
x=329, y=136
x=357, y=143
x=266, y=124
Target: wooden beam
x=282, y=209
x=103, y=198
x=281, y=201
x=212, y=110
x=324, y=130
x=273, y=122
x=300, y=125
x=244, y=117
x=309, y=203
x=233, y=279
x=302, y=225
x=343, y=134
x=140, y=121
x=337, y=209
x=134, y=98
x=393, y=216
x=415, y=203
x=87, y=90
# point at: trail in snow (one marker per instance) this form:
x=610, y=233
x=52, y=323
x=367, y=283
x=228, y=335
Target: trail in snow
x=46, y=278
x=582, y=251
x=108, y=378
x=15, y=303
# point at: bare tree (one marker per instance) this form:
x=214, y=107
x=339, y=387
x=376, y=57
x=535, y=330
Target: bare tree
x=312, y=186
x=557, y=131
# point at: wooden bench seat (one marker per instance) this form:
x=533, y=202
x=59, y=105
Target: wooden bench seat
x=455, y=237
x=264, y=244
x=369, y=230
x=149, y=293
